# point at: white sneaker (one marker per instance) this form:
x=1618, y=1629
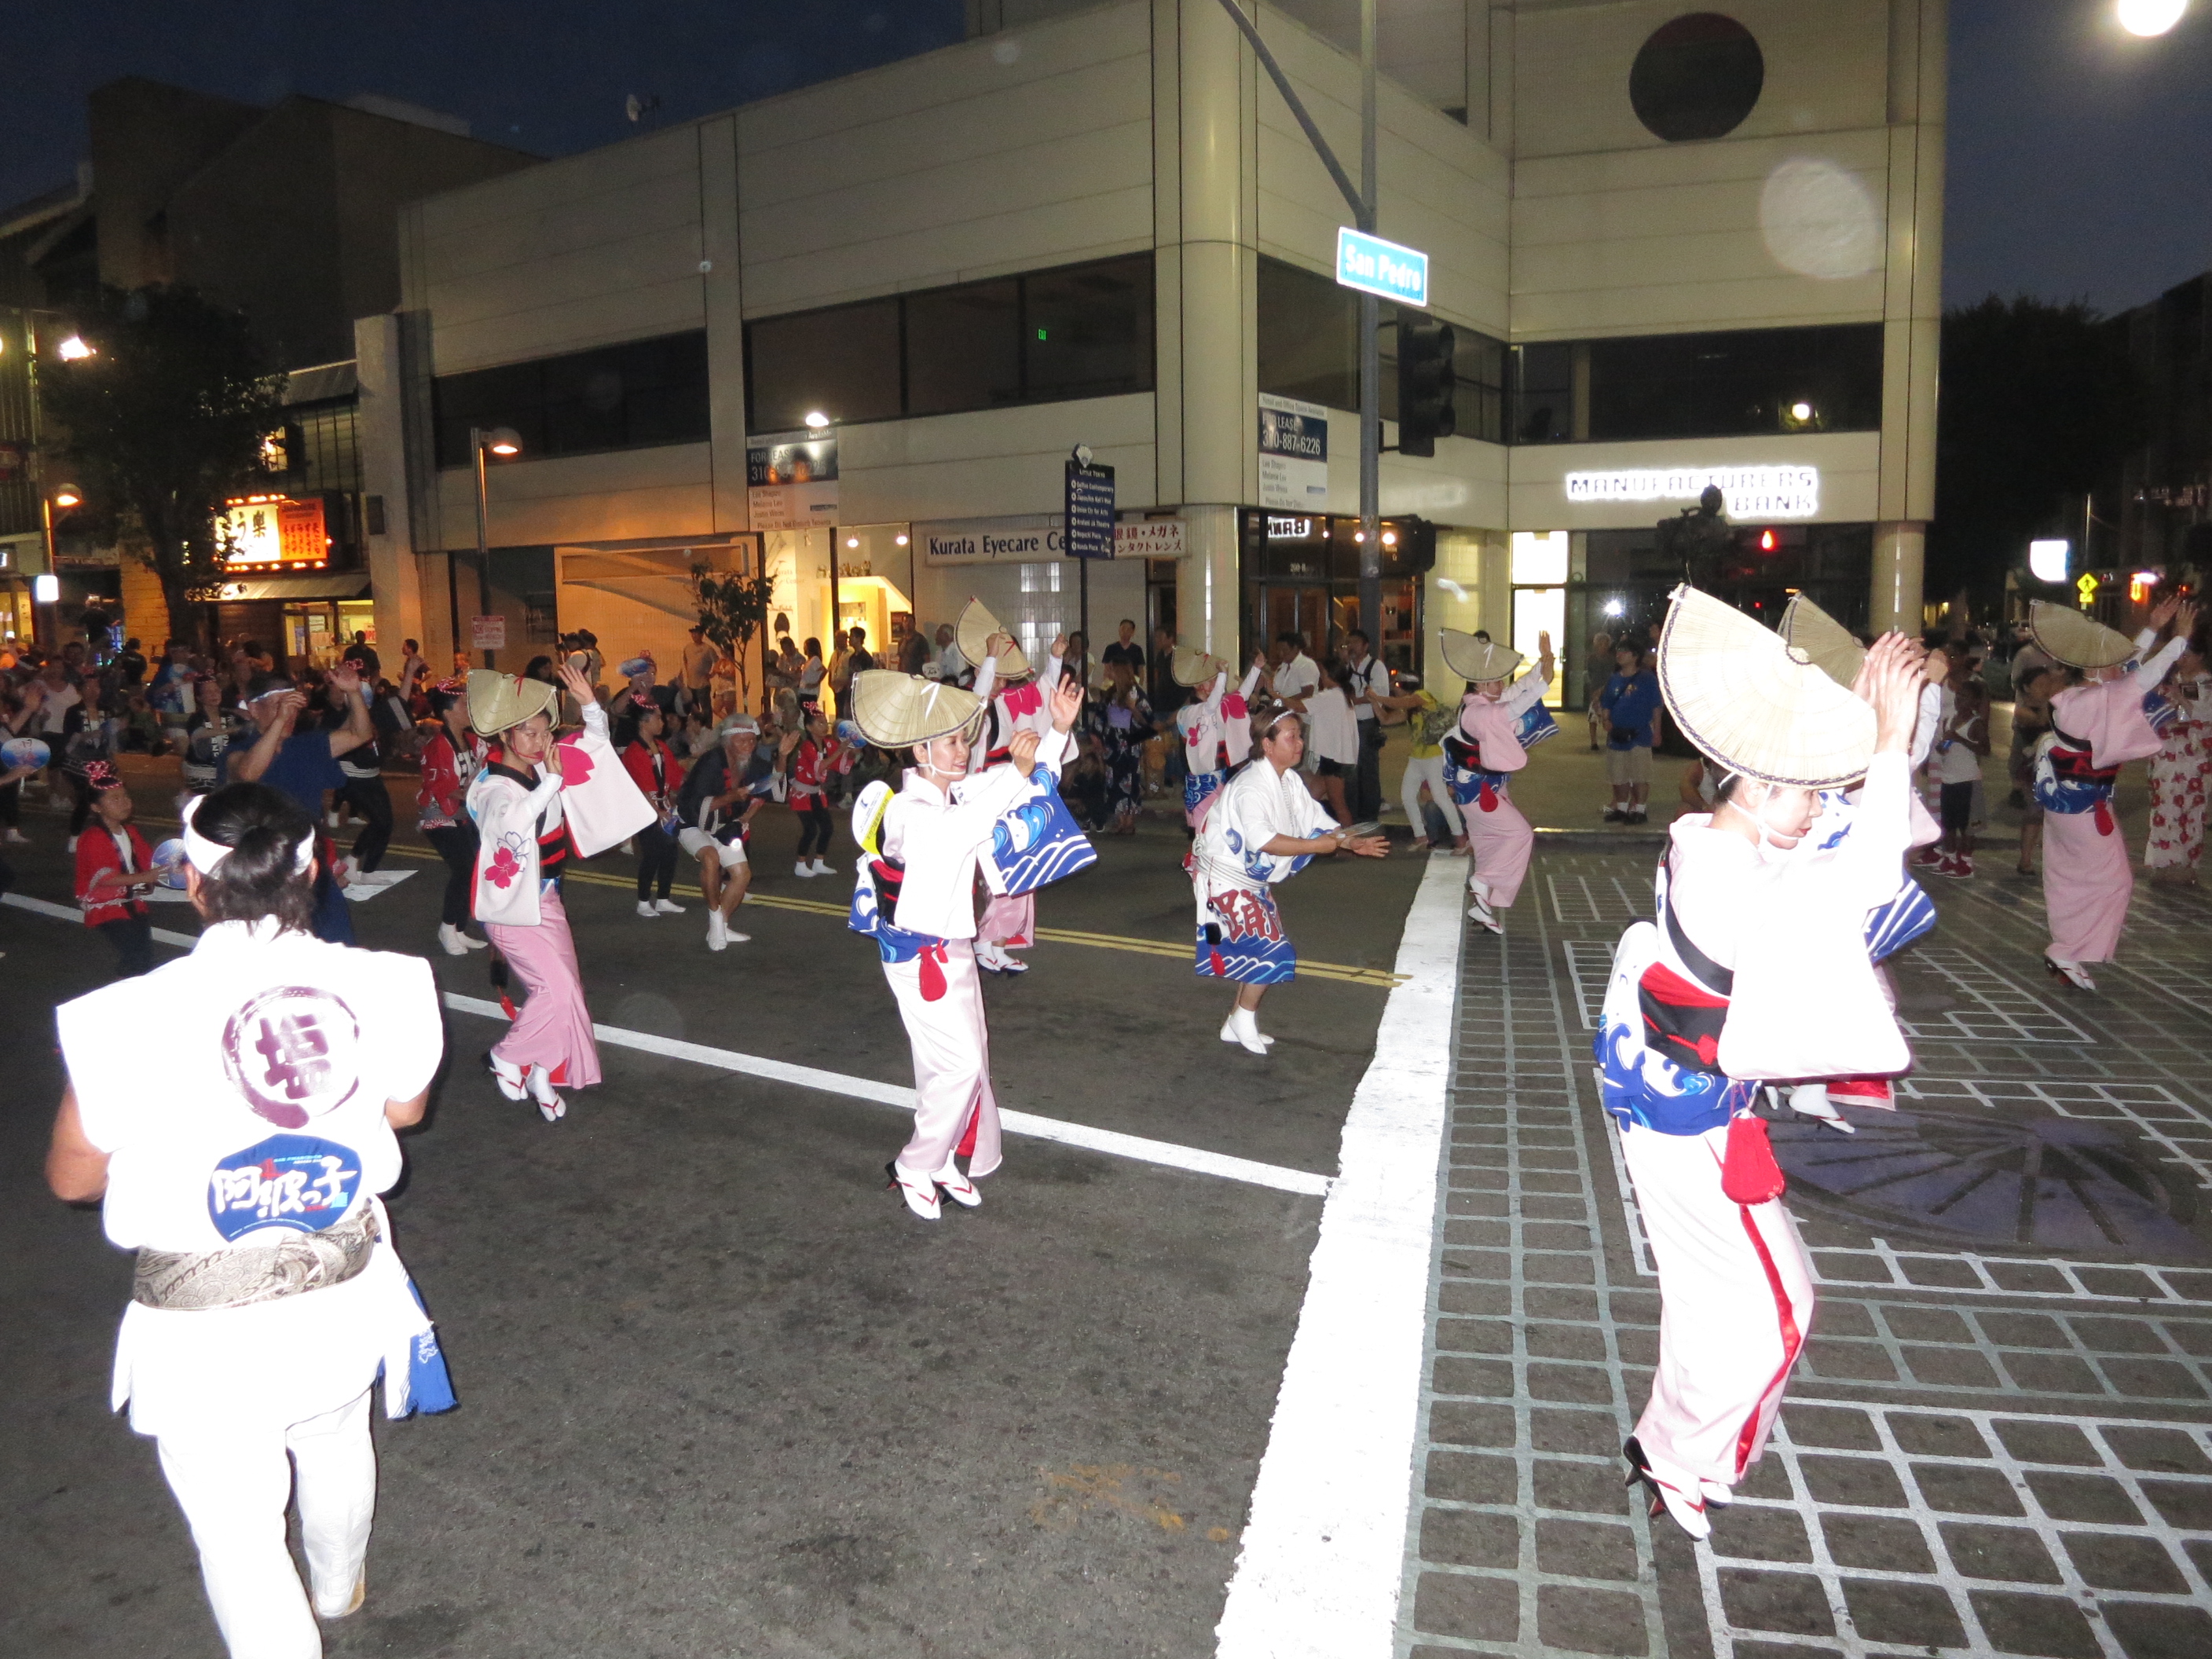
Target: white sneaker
x=645, y=908
x=1229, y=1033
x=349, y=866
x=803, y=868
x=956, y=1186
x=1478, y=892
x=455, y=942
x=717, y=933
x=473, y=942
x=629, y=848
x=1245, y=1024
x=668, y=906
x=2072, y=972
x=919, y=1192
x=15, y=838
x=822, y=869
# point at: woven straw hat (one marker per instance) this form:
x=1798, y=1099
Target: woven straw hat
x=1476, y=661
x=1822, y=640
x=1746, y=699
x=1191, y=666
x=497, y=701
x=974, y=628
x=896, y=711
x=2066, y=635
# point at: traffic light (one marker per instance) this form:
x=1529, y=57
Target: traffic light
x=1425, y=384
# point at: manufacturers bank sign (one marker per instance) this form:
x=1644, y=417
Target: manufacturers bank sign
x=1751, y=492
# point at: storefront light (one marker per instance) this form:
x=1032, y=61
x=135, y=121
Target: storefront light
x=900, y=538
x=852, y=541
x=2046, y=560
x=816, y=419
x=73, y=349
x=46, y=589
x=1616, y=607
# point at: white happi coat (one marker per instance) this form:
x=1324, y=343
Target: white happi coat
x=248, y=1104
x=1206, y=729
x=1252, y=808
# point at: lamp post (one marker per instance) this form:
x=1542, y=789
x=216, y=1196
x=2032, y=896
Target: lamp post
x=818, y=425
x=505, y=442
x=45, y=590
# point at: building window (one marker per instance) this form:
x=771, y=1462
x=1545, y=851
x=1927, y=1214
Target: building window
x=1743, y=383
x=632, y=396
x=1698, y=77
x=1079, y=331
x=1309, y=349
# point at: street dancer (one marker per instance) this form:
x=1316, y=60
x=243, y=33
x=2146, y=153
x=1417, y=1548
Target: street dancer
x=2099, y=723
x=1499, y=723
x=237, y=1142
x=1216, y=729
x=1017, y=699
x=1262, y=827
x=452, y=756
x=920, y=849
x=526, y=841
x=1759, y=968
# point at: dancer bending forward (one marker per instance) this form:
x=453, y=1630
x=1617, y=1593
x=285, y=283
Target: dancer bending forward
x=1501, y=718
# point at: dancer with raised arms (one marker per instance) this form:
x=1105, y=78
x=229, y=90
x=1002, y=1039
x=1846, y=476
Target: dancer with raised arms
x=1759, y=968
x=920, y=848
x=1500, y=720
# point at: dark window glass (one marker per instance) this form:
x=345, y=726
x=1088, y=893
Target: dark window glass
x=963, y=347
x=1087, y=330
x=1309, y=337
x=1742, y=383
x=843, y=362
x=1543, y=392
x=1697, y=77
x=621, y=397
x=1309, y=349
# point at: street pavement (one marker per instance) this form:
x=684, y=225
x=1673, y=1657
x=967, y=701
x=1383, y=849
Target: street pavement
x=720, y=1394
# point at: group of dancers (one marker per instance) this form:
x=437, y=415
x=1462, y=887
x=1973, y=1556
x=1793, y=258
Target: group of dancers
x=241, y=1145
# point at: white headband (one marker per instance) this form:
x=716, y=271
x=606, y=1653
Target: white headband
x=204, y=855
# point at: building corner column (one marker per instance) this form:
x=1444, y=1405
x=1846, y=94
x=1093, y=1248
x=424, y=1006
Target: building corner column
x=1900, y=548
x=394, y=580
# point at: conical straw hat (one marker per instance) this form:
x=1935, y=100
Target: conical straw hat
x=974, y=628
x=498, y=701
x=2066, y=635
x=896, y=711
x=1742, y=696
x=1478, y=660
x=1191, y=666
x=1822, y=640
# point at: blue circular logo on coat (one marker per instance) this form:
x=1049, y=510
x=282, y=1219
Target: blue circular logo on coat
x=286, y=1180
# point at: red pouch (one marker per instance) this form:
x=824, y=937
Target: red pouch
x=1749, y=1174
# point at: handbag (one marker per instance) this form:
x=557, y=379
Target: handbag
x=1749, y=1174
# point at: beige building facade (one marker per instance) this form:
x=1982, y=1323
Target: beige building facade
x=1678, y=249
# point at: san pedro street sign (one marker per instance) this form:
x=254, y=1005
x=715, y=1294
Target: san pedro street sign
x=1374, y=266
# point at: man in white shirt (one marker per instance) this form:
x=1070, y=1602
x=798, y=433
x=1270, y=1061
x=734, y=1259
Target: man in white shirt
x=1333, y=743
x=1366, y=679
x=1296, y=673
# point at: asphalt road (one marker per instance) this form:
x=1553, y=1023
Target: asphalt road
x=720, y=1394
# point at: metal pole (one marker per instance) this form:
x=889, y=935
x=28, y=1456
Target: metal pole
x=484, y=545
x=1370, y=360
x=42, y=621
x=1083, y=601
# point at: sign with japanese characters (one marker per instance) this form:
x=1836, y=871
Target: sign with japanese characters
x=273, y=531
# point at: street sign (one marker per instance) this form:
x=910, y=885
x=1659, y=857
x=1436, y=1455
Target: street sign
x=487, y=632
x=1090, y=502
x=1374, y=266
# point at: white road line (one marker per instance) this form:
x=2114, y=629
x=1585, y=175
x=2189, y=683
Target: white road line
x=1322, y=1563
x=1167, y=1154
x=1195, y=1159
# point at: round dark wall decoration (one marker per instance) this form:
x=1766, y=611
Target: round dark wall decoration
x=1697, y=77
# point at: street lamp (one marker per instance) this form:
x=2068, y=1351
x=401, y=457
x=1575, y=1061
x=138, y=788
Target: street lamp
x=506, y=443
x=74, y=349
x=816, y=419
x=2147, y=18
x=46, y=590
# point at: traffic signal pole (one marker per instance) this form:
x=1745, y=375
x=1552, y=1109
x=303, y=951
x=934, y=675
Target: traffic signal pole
x=1370, y=360
x=1362, y=202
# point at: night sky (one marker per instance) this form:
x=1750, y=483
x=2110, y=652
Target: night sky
x=2081, y=160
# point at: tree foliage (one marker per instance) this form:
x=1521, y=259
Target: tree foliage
x=732, y=610
x=161, y=423
x=2038, y=402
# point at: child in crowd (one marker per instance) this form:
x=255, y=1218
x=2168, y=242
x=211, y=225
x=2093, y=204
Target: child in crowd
x=817, y=761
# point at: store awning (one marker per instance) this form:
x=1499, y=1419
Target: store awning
x=324, y=584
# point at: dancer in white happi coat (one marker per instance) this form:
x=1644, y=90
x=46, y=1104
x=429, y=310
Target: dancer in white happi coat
x=1759, y=968
x=1017, y=701
x=235, y=1110
x=2099, y=723
x=1216, y=729
x=914, y=894
x=1500, y=720
x=1262, y=827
